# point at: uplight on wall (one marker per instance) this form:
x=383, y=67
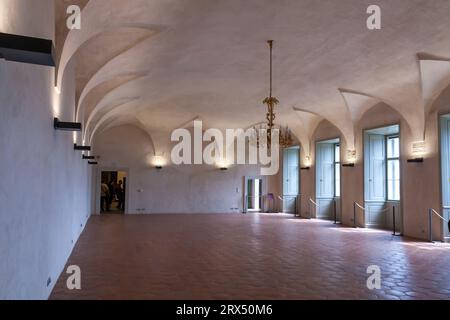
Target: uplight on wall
x=307, y=163
x=56, y=104
x=418, y=150
x=351, y=158
x=158, y=162
x=222, y=164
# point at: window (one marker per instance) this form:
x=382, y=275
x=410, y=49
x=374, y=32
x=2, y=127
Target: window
x=337, y=170
x=291, y=178
x=393, y=167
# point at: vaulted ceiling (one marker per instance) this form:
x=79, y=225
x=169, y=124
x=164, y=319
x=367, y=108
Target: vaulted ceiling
x=158, y=64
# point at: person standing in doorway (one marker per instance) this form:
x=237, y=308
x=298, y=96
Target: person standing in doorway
x=104, y=197
x=111, y=192
x=120, y=195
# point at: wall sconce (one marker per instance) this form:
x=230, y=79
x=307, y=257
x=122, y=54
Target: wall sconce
x=158, y=162
x=418, y=150
x=81, y=148
x=348, y=165
x=26, y=49
x=222, y=164
x=93, y=163
x=415, y=160
x=351, y=158
x=307, y=162
x=66, y=126
x=88, y=157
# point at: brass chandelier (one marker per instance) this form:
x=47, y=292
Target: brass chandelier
x=285, y=136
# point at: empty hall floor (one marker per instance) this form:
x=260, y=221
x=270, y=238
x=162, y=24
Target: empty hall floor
x=254, y=256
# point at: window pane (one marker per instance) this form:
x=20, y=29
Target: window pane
x=393, y=179
x=337, y=180
x=393, y=147
x=337, y=153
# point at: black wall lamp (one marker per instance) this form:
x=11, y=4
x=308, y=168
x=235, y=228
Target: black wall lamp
x=158, y=167
x=66, y=126
x=350, y=165
x=26, y=49
x=88, y=157
x=93, y=163
x=223, y=168
x=81, y=148
x=415, y=160
x=305, y=168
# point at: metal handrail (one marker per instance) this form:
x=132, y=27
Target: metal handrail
x=309, y=205
x=394, y=232
x=314, y=203
x=431, y=211
x=335, y=211
x=437, y=213
x=291, y=196
x=363, y=208
x=318, y=206
x=355, y=204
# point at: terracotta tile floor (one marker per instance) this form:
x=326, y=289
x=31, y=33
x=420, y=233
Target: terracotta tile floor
x=251, y=256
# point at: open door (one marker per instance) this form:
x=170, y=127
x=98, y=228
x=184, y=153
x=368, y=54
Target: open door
x=254, y=194
x=113, y=187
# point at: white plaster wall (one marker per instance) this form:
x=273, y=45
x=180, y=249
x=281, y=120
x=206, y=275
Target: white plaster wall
x=44, y=188
x=174, y=189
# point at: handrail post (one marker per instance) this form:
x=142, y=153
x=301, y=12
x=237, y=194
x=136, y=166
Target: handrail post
x=354, y=214
x=299, y=200
x=263, y=203
x=295, y=206
x=335, y=213
x=309, y=209
x=393, y=220
x=430, y=224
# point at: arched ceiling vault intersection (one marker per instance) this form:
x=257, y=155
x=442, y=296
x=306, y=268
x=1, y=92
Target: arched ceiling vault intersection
x=211, y=59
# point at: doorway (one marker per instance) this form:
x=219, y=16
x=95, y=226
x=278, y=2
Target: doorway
x=113, y=192
x=328, y=179
x=382, y=169
x=254, y=194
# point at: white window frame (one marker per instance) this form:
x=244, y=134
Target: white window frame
x=388, y=159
